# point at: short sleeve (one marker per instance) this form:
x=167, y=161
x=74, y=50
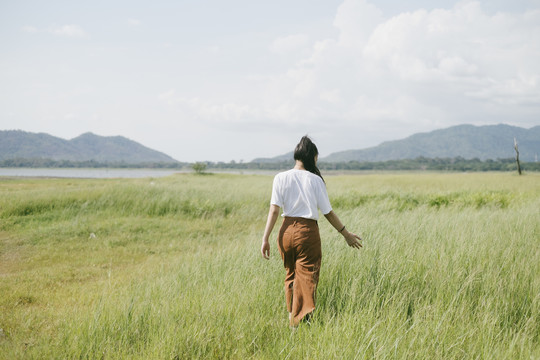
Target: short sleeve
x=323, y=203
x=277, y=198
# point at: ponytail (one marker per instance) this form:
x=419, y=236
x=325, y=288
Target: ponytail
x=306, y=151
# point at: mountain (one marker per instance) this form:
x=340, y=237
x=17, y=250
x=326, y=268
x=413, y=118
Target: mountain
x=88, y=146
x=466, y=141
x=285, y=157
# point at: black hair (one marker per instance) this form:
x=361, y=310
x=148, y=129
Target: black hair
x=306, y=151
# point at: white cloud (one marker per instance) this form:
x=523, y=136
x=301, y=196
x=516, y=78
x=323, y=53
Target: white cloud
x=30, y=29
x=216, y=114
x=385, y=78
x=289, y=43
x=74, y=31
x=356, y=19
x=437, y=58
x=213, y=49
x=332, y=96
x=476, y=55
x=134, y=22
x=512, y=92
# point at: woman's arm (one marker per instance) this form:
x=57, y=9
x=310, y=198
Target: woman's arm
x=273, y=214
x=352, y=239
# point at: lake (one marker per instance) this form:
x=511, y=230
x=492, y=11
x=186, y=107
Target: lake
x=104, y=173
x=101, y=173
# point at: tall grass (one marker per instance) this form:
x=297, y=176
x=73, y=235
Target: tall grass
x=170, y=269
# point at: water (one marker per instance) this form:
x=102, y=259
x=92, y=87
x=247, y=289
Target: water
x=105, y=173
x=100, y=173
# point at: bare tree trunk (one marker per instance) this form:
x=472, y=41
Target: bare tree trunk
x=517, y=156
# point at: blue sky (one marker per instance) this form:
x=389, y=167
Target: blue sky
x=235, y=80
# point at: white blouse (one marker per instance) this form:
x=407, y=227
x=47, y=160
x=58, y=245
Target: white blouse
x=300, y=193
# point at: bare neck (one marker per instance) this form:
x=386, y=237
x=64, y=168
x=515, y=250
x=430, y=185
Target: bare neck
x=299, y=165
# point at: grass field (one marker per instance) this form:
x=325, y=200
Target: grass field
x=170, y=268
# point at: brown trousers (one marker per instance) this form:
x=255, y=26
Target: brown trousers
x=299, y=244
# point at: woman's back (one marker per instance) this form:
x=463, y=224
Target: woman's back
x=300, y=193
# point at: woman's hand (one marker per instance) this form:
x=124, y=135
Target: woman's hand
x=265, y=250
x=352, y=239
x=273, y=214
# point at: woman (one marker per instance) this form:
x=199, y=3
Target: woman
x=301, y=193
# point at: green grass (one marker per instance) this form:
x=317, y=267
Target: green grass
x=170, y=268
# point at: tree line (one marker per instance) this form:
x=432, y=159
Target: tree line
x=51, y=163
x=421, y=163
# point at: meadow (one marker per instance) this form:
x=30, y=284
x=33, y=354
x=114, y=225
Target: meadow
x=170, y=268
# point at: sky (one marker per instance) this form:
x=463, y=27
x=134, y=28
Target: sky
x=213, y=80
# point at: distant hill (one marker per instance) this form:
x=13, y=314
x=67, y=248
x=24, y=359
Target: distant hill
x=285, y=157
x=88, y=146
x=466, y=141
